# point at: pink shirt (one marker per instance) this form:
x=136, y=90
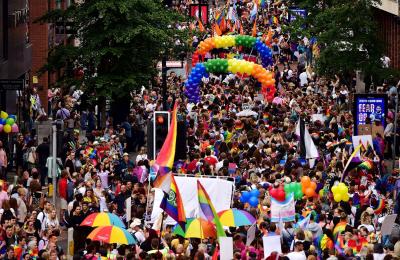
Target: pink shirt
x=3, y=197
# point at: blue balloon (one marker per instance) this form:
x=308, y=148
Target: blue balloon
x=2, y=121
x=242, y=200
x=246, y=195
x=254, y=193
x=253, y=201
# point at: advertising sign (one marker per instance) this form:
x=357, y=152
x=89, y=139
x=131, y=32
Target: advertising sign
x=294, y=13
x=373, y=106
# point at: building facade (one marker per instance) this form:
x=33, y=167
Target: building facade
x=388, y=18
x=15, y=49
x=45, y=36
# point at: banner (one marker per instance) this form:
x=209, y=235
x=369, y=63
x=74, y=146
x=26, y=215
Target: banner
x=219, y=190
x=283, y=211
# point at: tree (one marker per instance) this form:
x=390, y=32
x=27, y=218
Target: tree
x=120, y=44
x=345, y=32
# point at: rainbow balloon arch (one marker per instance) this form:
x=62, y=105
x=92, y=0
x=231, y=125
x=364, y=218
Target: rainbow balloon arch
x=229, y=41
x=221, y=66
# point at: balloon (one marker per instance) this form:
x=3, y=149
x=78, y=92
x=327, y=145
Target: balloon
x=298, y=195
x=309, y=192
x=10, y=121
x=313, y=185
x=1, y=128
x=280, y=196
x=2, y=121
x=345, y=197
x=246, y=195
x=253, y=201
x=254, y=193
x=13, y=117
x=3, y=115
x=14, y=128
x=305, y=181
x=7, y=129
x=242, y=200
x=337, y=197
x=334, y=189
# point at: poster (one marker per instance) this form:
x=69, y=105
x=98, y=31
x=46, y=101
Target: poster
x=272, y=244
x=226, y=247
x=373, y=106
x=251, y=234
x=387, y=224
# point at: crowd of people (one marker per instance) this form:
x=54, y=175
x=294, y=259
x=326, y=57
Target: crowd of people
x=98, y=169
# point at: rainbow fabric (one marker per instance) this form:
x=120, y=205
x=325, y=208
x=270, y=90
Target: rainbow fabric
x=340, y=227
x=207, y=210
x=366, y=165
x=167, y=153
x=352, y=162
x=172, y=204
x=262, y=3
x=166, y=156
x=380, y=206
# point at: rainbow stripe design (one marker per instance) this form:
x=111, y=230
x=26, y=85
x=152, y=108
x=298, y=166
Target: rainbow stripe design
x=235, y=66
x=102, y=219
x=112, y=235
x=381, y=205
x=228, y=41
x=366, y=165
x=340, y=227
x=167, y=153
x=172, y=204
x=207, y=210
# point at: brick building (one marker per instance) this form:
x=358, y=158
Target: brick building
x=15, y=48
x=45, y=36
x=388, y=18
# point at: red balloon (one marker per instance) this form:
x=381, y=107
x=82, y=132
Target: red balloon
x=281, y=195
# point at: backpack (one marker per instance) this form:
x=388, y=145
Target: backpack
x=70, y=191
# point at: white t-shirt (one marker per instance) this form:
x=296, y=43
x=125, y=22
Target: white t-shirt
x=297, y=255
x=303, y=78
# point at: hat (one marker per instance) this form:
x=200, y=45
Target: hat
x=370, y=211
x=125, y=154
x=95, y=143
x=135, y=222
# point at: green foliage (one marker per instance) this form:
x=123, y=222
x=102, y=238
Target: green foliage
x=346, y=33
x=120, y=43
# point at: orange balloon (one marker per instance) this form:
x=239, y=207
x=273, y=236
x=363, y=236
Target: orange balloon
x=305, y=181
x=309, y=192
x=313, y=185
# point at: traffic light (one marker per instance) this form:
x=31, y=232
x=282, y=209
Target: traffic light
x=162, y=126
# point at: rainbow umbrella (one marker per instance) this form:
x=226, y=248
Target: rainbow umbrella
x=111, y=235
x=102, y=219
x=196, y=227
x=236, y=218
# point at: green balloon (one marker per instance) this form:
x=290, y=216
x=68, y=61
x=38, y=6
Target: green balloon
x=10, y=121
x=287, y=188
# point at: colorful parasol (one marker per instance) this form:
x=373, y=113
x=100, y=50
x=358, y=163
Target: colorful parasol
x=236, y=218
x=102, y=219
x=196, y=227
x=111, y=235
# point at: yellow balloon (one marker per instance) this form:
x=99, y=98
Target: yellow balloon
x=345, y=197
x=3, y=115
x=334, y=189
x=7, y=129
x=337, y=197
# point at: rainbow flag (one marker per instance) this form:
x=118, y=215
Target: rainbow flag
x=366, y=165
x=262, y=3
x=340, y=227
x=352, y=162
x=380, y=206
x=339, y=245
x=172, y=204
x=207, y=210
x=166, y=156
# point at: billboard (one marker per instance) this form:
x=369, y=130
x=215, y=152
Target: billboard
x=295, y=12
x=373, y=106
